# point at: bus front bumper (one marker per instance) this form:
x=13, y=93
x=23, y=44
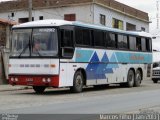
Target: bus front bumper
x=48, y=81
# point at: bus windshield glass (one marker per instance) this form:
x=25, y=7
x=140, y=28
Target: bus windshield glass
x=34, y=42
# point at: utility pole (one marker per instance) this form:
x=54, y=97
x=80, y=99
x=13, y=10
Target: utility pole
x=30, y=9
x=157, y=16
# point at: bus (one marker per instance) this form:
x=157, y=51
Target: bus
x=76, y=54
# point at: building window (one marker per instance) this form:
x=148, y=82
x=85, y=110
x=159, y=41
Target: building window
x=12, y=14
x=70, y=17
x=143, y=29
x=40, y=17
x=117, y=23
x=102, y=19
x=130, y=27
x=24, y=20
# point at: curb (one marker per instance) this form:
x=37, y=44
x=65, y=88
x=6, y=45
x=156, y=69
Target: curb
x=14, y=89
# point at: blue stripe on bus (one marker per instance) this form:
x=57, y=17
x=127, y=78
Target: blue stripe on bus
x=83, y=55
x=138, y=58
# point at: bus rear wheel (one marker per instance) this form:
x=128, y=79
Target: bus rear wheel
x=78, y=82
x=130, y=78
x=138, y=78
x=39, y=89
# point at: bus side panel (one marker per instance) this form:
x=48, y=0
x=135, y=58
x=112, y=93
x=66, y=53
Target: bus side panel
x=102, y=66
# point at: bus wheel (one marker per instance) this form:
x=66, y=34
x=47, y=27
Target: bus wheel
x=78, y=82
x=138, y=78
x=39, y=89
x=130, y=78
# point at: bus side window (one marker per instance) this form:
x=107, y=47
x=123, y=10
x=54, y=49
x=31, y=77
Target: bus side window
x=83, y=36
x=143, y=40
x=138, y=44
x=112, y=41
x=67, y=38
x=98, y=38
x=132, y=43
x=148, y=45
x=67, y=43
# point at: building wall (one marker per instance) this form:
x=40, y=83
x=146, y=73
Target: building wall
x=83, y=13
x=112, y=14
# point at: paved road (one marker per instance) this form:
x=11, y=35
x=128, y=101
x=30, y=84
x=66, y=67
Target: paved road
x=114, y=99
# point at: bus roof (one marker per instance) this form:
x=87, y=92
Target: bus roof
x=54, y=22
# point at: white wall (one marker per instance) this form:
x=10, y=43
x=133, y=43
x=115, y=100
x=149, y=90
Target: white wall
x=83, y=13
x=112, y=14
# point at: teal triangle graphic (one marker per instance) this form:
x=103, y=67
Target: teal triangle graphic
x=114, y=61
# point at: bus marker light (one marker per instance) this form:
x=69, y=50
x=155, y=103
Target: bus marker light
x=49, y=80
x=52, y=65
x=12, y=79
x=44, y=80
x=16, y=79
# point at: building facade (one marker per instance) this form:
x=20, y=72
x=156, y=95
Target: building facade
x=101, y=12
x=108, y=13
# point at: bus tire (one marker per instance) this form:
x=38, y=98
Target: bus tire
x=39, y=89
x=130, y=78
x=78, y=82
x=138, y=78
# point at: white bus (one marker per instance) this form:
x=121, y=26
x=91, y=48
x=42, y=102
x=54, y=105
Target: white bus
x=58, y=53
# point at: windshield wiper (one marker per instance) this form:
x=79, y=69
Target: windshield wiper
x=24, y=48
x=37, y=52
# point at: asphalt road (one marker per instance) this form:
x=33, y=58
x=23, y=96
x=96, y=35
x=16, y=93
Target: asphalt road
x=114, y=99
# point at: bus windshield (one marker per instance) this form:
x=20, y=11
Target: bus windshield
x=34, y=42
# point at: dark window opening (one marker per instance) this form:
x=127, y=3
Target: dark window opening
x=83, y=36
x=67, y=38
x=102, y=19
x=143, y=40
x=67, y=43
x=112, y=41
x=117, y=23
x=143, y=29
x=122, y=42
x=70, y=17
x=148, y=44
x=24, y=20
x=98, y=38
x=40, y=17
x=130, y=27
x=138, y=44
x=132, y=43
x=12, y=14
